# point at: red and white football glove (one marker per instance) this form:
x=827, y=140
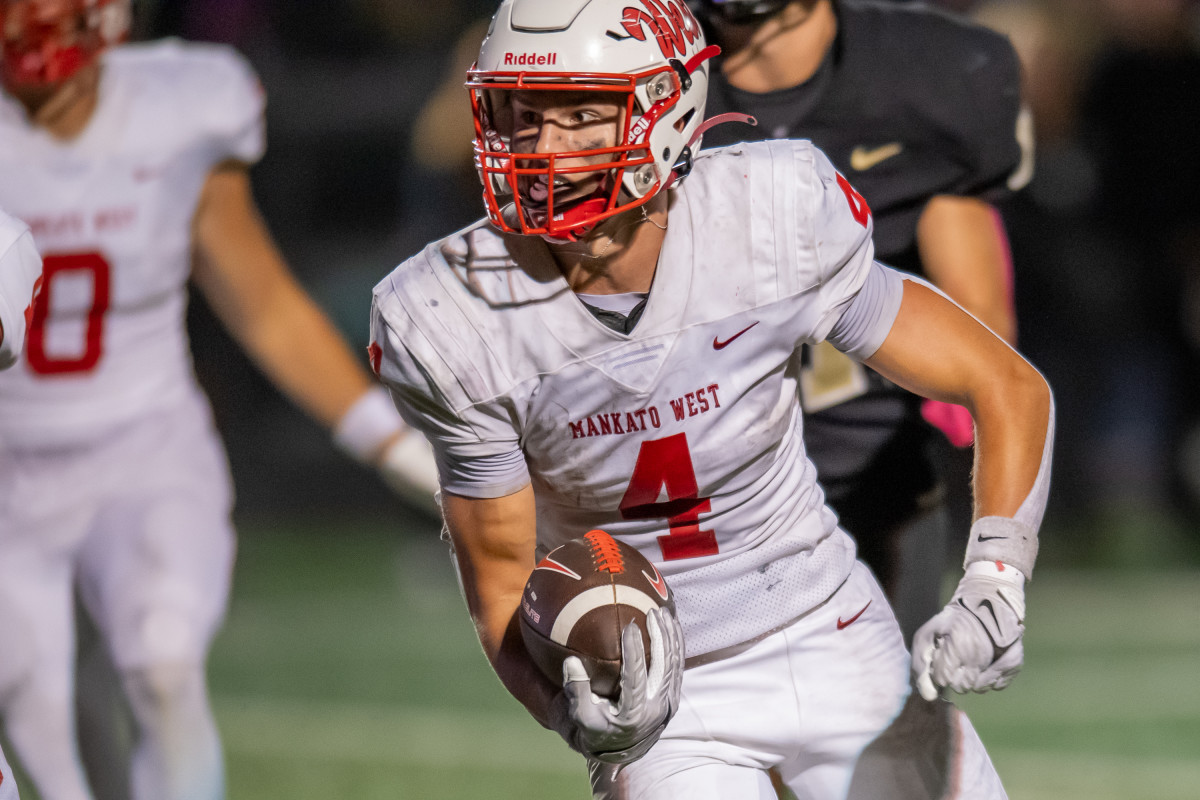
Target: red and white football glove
x=623, y=731
x=974, y=644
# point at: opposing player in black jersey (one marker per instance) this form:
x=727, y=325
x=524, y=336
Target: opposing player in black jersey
x=921, y=111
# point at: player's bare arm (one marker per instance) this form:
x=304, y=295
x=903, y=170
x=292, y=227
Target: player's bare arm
x=965, y=253
x=494, y=544
x=243, y=276
x=936, y=350
x=246, y=281
x=494, y=541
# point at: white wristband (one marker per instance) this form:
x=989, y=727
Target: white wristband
x=1005, y=540
x=368, y=424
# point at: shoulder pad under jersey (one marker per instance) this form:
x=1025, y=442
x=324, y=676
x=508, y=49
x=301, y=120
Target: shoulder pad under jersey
x=432, y=319
x=199, y=91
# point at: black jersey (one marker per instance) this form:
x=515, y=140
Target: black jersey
x=910, y=102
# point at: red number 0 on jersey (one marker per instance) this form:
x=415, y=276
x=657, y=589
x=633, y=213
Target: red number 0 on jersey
x=667, y=464
x=94, y=266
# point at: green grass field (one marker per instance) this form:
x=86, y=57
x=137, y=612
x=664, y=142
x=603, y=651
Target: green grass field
x=348, y=668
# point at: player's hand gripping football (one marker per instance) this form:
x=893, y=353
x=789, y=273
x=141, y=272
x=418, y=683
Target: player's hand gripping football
x=623, y=731
x=974, y=644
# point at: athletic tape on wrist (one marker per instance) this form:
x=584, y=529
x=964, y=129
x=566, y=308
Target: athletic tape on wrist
x=370, y=422
x=1013, y=540
x=996, y=570
x=410, y=469
x=1003, y=539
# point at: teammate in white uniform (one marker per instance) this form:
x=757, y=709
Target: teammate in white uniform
x=615, y=349
x=20, y=268
x=124, y=163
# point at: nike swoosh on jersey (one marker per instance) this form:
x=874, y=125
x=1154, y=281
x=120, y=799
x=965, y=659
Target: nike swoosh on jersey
x=847, y=623
x=864, y=158
x=657, y=582
x=990, y=538
x=719, y=345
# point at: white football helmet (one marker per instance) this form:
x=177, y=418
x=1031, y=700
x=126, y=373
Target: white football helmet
x=649, y=54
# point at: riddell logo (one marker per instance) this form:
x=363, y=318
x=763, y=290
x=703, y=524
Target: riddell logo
x=530, y=59
x=669, y=21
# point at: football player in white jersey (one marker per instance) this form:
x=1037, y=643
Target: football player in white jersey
x=616, y=348
x=20, y=268
x=125, y=162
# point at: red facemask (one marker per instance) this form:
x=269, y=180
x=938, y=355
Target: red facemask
x=45, y=49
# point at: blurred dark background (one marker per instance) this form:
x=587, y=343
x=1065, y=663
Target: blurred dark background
x=369, y=158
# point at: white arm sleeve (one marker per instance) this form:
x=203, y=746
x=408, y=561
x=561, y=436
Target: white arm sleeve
x=867, y=318
x=20, y=268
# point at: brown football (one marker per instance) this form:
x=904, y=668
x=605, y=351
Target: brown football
x=578, y=600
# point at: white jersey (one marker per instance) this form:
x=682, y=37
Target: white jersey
x=20, y=267
x=682, y=438
x=111, y=212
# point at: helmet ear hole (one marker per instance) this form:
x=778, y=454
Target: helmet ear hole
x=683, y=121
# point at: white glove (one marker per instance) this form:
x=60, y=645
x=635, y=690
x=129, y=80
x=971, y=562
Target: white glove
x=408, y=467
x=621, y=732
x=974, y=644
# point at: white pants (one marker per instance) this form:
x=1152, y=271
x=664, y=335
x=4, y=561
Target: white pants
x=803, y=703
x=140, y=520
